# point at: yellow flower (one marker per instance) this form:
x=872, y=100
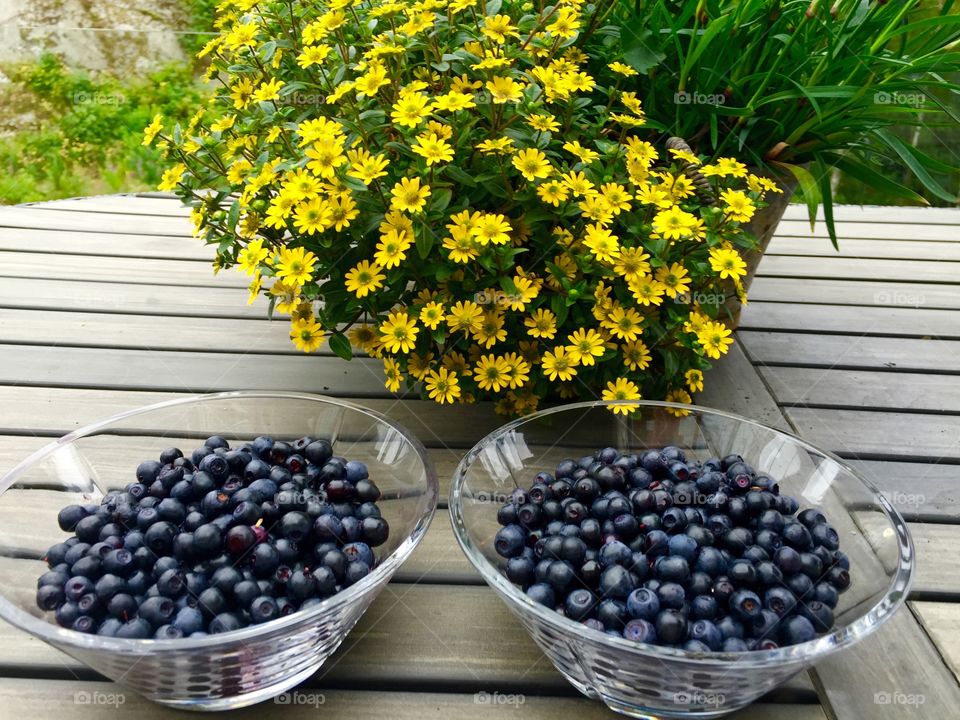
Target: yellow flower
x=411, y=109
x=727, y=263
x=679, y=396
x=738, y=206
x=725, y=167
x=365, y=166
x=622, y=389
x=578, y=183
x=504, y=90
x=624, y=323
x=646, y=290
x=238, y=170
x=694, y=380
x=392, y=248
x=342, y=210
x=153, y=129
x=565, y=24
x=636, y=355
x=255, y=288
x=224, y=123
x=241, y=35
x=454, y=101
x=542, y=323
x=431, y=315
x=418, y=366
x=498, y=28
x=532, y=164
x=409, y=196
x=326, y=156
x=296, y=265
x=518, y=372
x=631, y=263
x=526, y=291
x=602, y=243
x=553, y=192
x=685, y=155
x=313, y=55
x=391, y=370
x=433, y=148
x=543, y=123
x=632, y=103
x=464, y=315
x=715, y=339
x=621, y=69
x=586, y=155
x=498, y=146
x=492, y=373
x=585, y=346
x=492, y=228
x=287, y=296
x=461, y=247
x=398, y=332
x=267, y=91
x=252, y=255
x=171, y=178
x=306, y=334
x=674, y=278
x=559, y=364
x=443, y=386
x=364, y=278
x=595, y=207
x=374, y=79
x=312, y=216
x=617, y=197
x=674, y=223
x=490, y=331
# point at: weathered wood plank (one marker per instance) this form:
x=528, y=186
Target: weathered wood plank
x=18, y=216
x=183, y=273
x=209, y=301
x=852, y=248
x=920, y=491
x=852, y=351
x=886, y=214
x=863, y=269
x=58, y=698
x=880, y=435
x=878, y=677
x=126, y=203
x=863, y=389
x=941, y=621
x=877, y=319
x=852, y=292
x=96, y=243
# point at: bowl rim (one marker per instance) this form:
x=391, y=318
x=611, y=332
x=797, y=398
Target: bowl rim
x=842, y=637
x=57, y=635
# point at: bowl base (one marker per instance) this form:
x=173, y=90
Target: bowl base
x=645, y=713
x=235, y=702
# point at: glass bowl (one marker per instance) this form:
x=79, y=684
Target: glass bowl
x=232, y=669
x=643, y=680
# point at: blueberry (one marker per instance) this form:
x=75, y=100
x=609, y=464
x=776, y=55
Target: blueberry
x=108, y=586
x=264, y=559
x=157, y=610
x=225, y=579
x=359, y=551
x=613, y=553
x=671, y=569
x=263, y=609
x=796, y=629
x=671, y=595
x=811, y=565
x=188, y=620
x=122, y=606
x=788, y=560
x=615, y=582
x=579, y=604
x=819, y=614
x=211, y=602
x=330, y=528
x=326, y=581
x=207, y=540
x=711, y=561
x=825, y=535
x=295, y=525
x=839, y=578
x=765, y=624
x=613, y=614
x=658, y=543
x=671, y=626
x=225, y=622
x=510, y=541
x=811, y=517
x=147, y=471
x=734, y=644
x=800, y=585
x=827, y=594
x=707, y=633
x=704, y=607
x=50, y=596
x=684, y=546
x=374, y=530
x=168, y=632
x=643, y=603
x=640, y=630
x=745, y=605
x=730, y=628
x=743, y=573
x=159, y=537
x=70, y=516
x=797, y=536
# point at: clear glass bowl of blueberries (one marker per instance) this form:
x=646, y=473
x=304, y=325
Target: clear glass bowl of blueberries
x=211, y=552
x=675, y=561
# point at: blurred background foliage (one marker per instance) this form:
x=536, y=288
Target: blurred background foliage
x=67, y=130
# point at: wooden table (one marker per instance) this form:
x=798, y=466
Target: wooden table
x=107, y=304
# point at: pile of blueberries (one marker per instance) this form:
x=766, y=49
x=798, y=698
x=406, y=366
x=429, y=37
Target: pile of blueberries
x=702, y=556
x=216, y=541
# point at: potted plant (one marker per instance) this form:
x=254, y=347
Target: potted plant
x=463, y=191
x=797, y=88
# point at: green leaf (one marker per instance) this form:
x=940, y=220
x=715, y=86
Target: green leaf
x=458, y=175
x=809, y=189
x=826, y=190
x=441, y=199
x=341, y=346
x=671, y=363
x=859, y=170
x=234, y=214
x=912, y=161
x=424, y=243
